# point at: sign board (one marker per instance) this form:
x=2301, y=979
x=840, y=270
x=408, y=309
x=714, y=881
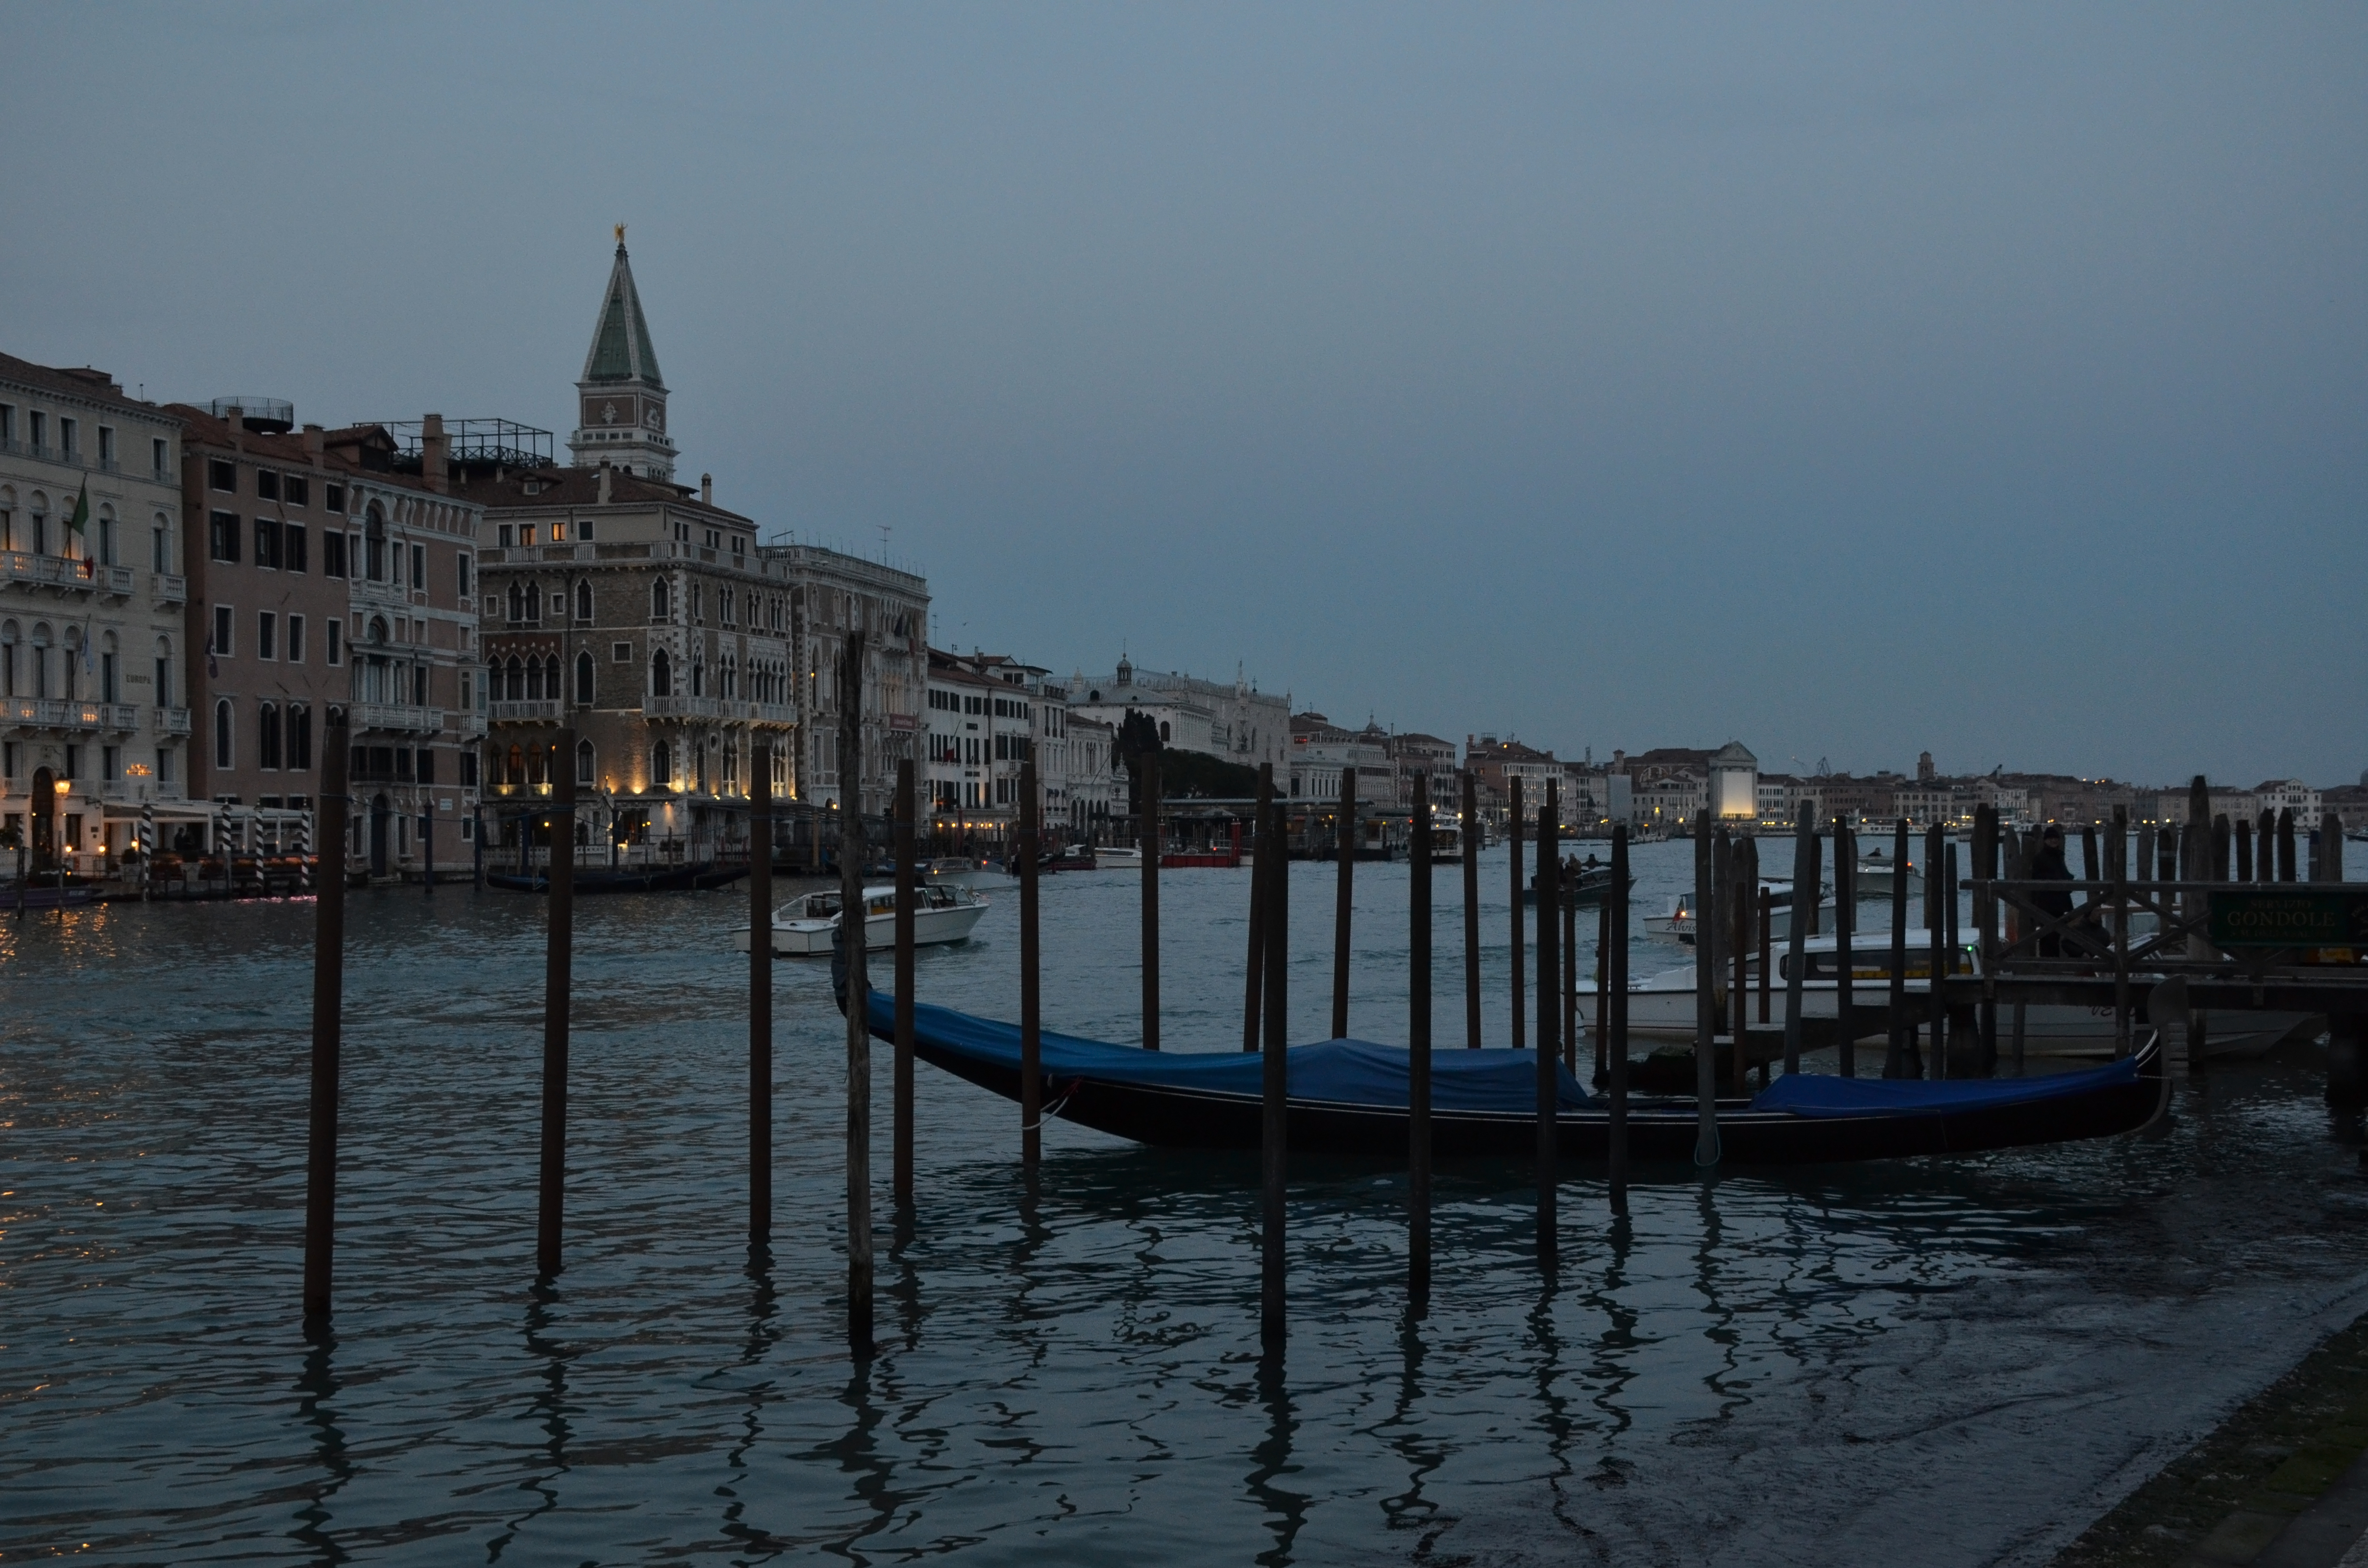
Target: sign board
x=2290, y=915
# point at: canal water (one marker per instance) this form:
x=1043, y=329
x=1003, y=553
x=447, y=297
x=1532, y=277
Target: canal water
x=1929, y=1361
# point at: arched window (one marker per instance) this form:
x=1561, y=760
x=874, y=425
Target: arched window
x=1163, y=732
x=223, y=735
x=300, y=738
x=698, y=677
x=533, y=601
x=551, y=687
x=160, y=542
x=515, y=773
x=374, y=536
x=517, y=602
x=661, y=675
x=110, y=676
x=533, y=680
x=8, y=636
x=583, y=680
x=107, y=536
x=584, y=762
x=659, y=600
x=661, y=766
x=515, y=677
x=74, y=662
x=584, y=601
x=164, y=671
x=267, y=735
x=40, y=508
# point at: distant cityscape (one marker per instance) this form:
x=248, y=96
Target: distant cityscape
x=194, y=591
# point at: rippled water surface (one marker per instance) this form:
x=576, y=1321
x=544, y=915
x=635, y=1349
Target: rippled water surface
x=1929, y=1361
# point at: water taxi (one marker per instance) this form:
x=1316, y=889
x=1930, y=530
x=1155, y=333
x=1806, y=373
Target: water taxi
x=803, y=927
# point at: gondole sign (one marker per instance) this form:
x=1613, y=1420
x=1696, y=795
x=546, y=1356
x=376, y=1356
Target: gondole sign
x=2295, y=917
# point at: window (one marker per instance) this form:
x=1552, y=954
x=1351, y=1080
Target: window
x=584, y=601
x=583, y=528
x=374, y=532
x=296, y=490
x=36, y=429
x=107, y=459
x=267, y=635
x=621, y=653
x=337, y=630
x=221, y=535
x=659, y=602
x=419, y=685
x=266, y=737
x=505, y=536
x=160, y=455
x=7, y=422
x=164, y=671
x=419, y=566
x=300, y=738
x=222, y=734
x=661, y=766
x=266, y=484
x=163, y=765
x=333, y=497
x=221, y=645
x=427, y=764
x=291, y=546
x=295, y=639
x=661, y=676
x=107, y=538
x=558, y=606
x=160, y=549
x=70, y=437
x=333, y=554
x=267, y=543
x=584, y=763
x=222, y=476
x=465, y=564
x=584, y=681
x=468, y=781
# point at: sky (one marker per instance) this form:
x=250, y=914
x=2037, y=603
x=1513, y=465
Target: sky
x=1851, y=381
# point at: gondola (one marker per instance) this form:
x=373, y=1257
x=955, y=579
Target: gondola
x=622, y=879
x=1349, y=1097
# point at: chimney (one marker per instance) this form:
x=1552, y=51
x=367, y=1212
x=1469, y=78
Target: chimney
x=314, y=443
x=604, y=484
x=707, y=490
x=435, y=466
x=233, y=418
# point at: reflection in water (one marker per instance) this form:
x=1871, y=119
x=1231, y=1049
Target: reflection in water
x=1286, y=1511
x=1615, y=1349
x=860, y=1457
x=1719, y=1314
x=1553, y=1404
x=317, y=1387
x=764, y=1333
x=1410, y=1509
x=550, y=1406
x=904, y=1286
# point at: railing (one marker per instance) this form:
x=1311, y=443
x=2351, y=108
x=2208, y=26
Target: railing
x=172, y=721
x=49, y=714
x=117, y=581
x=168, y=589
x=525, y=711
x=394, y=716
x=727, y=707
x=45, y=570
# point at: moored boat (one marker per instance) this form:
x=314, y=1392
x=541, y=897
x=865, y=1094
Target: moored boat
x=806, y=926
x=1349, y=1097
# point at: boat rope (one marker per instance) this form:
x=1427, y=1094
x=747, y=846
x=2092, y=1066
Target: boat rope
x=1049, y=1111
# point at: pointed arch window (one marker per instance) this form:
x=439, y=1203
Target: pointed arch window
x=222, y=755
x=266, y=737
x=583, y=680
x=551, y=687
x=584, y=762
x=661, y=675
x=534, y=680
x=584, y=601
x=661, y=766
x=374, y=540
x=661, y=601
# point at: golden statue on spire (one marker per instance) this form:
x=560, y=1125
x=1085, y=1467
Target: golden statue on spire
x=621, y=234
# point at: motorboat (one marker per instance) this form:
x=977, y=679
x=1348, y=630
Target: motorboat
x=961, y=871
x=1677, y=924
x=1661, y=1007
x=1117, y=857
x=1350, y=1097
x=1872, y=877
x=806, y=926
x=1446, y=837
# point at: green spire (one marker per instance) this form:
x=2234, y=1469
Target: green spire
x=620, y=347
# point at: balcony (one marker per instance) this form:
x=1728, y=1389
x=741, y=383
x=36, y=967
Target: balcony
x=172, y=721
x=394, y=717
x=732, y=709
x=47, y=713
x=22, y=566
x=540, y=710
x=115, y=582
x=168, y=589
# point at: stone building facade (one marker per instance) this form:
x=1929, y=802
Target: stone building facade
x=94, y=716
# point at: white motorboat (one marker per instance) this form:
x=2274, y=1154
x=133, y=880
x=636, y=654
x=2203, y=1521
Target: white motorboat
x=1873, y=877
x=804, y=926
x=1661, y=1007
x=1678, y=924
x=1120, y=857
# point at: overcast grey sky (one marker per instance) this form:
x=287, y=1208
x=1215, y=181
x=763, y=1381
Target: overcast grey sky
x=1848, y=381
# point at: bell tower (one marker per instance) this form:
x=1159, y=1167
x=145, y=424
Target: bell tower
x=621, y=399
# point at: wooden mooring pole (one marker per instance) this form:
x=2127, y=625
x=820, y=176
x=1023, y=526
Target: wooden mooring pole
x=1262, y=849
x=1845, y=926
x=1936, y=891
x=558, y=963
x=1521, y=927
x=328, y=1025
x=1274, y=1126
x=1570, y=974
x=1470, y=909
x=1806, y=878
x=1602, y=990
x=1031, y=1039
x=1154, y=841
x=908, y=897
x=760, y=994
x=1705, y=1000
x=1419, y=1046
x=1895, y=1062
x=1549, y=879
x=852, y=943
x=1344, y=845
x=1616, y=1014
